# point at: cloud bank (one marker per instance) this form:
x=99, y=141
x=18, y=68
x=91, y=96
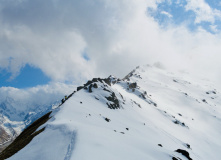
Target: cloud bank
x=116, y=36
x=17, y=103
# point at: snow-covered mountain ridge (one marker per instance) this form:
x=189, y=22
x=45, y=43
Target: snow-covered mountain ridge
x=150, y=114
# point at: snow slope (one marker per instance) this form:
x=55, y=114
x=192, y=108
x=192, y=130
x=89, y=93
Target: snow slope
x=150, y=114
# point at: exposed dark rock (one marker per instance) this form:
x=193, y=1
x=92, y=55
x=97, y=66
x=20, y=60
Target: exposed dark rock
x=180, y=123
x=107, y=119
x=115, y=101
x=127, y=77
x=95, y=79
x=107, y=80
x=106, y=90
x=160, y=145
x=137, y=104
x=66, y=98
x=187, y=145
x=179, y=114
x=138, y=76
x=122, y=132
x=204, y=100
x=114, y=81
x=95, y=85
x=121, y=96
x=127, y=128
x=143, y=96
x=70, y=96
x=80, y=102
x=211, y=92
x=90, y=88
x=88, y=83
x=62, y=101
x=184, y=153
x=79, y=88
x=133, y=85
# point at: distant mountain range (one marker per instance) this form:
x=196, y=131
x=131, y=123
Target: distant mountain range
x=21, y=107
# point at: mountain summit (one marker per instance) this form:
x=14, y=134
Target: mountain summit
x=150, y=114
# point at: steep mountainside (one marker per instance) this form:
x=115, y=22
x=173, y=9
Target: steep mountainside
x=150, y=114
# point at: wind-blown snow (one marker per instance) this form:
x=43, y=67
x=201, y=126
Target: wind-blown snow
x=163, y=112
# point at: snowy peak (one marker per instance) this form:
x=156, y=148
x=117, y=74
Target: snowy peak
x=150, y=114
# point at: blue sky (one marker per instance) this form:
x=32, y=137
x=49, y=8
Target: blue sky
x=72, y=41
x=28, y=77
x=175, y=13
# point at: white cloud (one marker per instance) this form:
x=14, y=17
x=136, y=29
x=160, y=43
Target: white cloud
x=154, y=3
x=117, y=35
x=214, y=28
x=167, y=14
x=20, y=102
x=203, y=11
x=41, y=95
x=179, y=2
